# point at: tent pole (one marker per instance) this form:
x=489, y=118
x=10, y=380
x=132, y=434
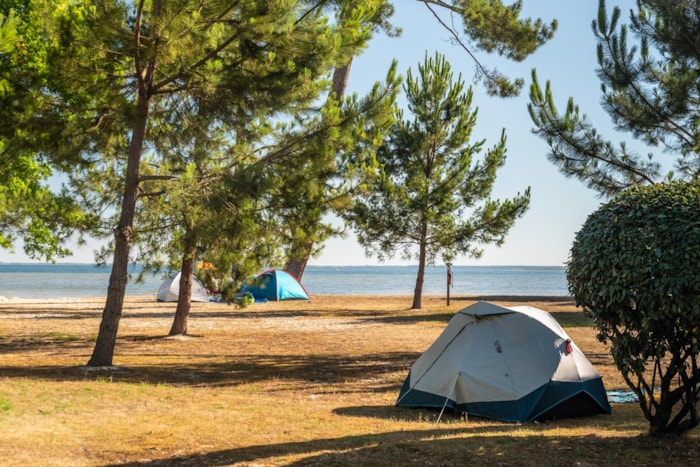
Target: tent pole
x=442, y=411
x=446, y=401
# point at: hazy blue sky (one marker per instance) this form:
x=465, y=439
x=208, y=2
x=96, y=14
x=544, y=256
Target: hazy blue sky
x=559, y=205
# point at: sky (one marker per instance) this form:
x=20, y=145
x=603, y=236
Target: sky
x=559, y=206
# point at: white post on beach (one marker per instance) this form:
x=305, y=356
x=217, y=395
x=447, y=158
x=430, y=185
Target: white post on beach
x=449, y=281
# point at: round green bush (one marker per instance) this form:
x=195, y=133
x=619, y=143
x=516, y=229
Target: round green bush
x=635, y=265
x=640, y=254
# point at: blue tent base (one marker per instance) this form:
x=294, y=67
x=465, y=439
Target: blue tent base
x=553, y=401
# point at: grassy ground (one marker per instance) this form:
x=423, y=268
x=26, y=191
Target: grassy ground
x=292, y=383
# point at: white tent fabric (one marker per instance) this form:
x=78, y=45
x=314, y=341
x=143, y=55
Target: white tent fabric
x=169, y=290
x=490, y=354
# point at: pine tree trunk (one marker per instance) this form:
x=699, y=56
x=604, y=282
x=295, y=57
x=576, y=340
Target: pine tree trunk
x=184, y=299
x=296, y=267
x=418, y=291
x=103, y=352
x=340, y=79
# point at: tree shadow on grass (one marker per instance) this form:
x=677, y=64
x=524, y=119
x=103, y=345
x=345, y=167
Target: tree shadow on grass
x=467, y=445
x=52, y=313
x=564, y=318
x=376, y=371
x=46, y=342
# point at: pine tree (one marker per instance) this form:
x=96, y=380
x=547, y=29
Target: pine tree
x=237, y=199
x=650, y=90
x=432, y=196
x=139, y=63
x=494, y=27
x=628, y=263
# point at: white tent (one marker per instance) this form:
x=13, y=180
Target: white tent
x=170, y=289
x=514, y=364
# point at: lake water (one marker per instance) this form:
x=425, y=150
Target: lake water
x=82, y=280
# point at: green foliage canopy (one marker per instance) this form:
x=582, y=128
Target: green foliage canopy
x=31, y=210
x=635, y=264
x=494, y=27
x=650, y=90
x=132, y=71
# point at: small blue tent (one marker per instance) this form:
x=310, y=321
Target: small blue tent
x=276, y=284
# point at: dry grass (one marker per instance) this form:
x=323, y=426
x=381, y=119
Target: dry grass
x=292, y=383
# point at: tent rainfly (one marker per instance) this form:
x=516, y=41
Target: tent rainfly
x=275, y=284
x=512, y=364
x=169, y=290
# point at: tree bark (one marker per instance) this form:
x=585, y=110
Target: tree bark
x=340, y=79
x=420, y=278
x=103, y=353
x=184, y=299
x=296, y=266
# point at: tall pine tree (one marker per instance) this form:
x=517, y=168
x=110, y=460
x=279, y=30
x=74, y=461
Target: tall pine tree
x=138, y=63
x=432, y=196
x=627, y=265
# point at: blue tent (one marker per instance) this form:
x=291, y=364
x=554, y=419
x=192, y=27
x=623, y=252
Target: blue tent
x=276, y=284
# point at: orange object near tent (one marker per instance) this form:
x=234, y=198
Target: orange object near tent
x=206, y=266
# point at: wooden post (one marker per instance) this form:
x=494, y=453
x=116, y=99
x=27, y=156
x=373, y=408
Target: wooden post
x=449, y=281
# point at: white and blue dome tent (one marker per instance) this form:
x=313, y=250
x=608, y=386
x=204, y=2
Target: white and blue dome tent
x=511, y=364
x=275, y=284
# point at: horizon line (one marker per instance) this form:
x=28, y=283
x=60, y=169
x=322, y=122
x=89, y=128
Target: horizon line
x=315, y=265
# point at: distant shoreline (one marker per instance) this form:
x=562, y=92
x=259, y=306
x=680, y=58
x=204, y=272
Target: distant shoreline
x=529, y=266
x=38, y=280
x=378, y=297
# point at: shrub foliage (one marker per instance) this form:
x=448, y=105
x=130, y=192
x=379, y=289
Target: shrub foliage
x=635, y=264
